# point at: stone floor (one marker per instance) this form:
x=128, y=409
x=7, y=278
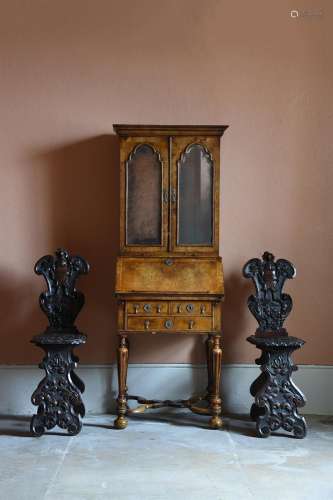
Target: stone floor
x=165, y=456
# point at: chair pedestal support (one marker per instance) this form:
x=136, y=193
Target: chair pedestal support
x=277, y=398
x=58, y=395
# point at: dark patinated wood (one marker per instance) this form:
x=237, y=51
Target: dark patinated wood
x=168, y=286
x=277, y=398
x=58, y=395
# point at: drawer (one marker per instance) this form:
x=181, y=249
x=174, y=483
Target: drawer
x=171, y=324
x=193, y=308
x=150, y=308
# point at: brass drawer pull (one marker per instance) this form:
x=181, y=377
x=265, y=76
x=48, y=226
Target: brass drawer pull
x=190, y=308
x=191, y=324
x=136, y=308
x=202, y=309
x=147, y=308
x=147, y=323
x=179, y=308
x=159, y=308
x=168, y=324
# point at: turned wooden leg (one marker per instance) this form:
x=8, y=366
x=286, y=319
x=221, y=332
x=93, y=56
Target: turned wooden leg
x=209, y=349
x=122, y=360
x=214, y=367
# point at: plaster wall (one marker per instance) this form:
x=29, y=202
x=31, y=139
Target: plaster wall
x=70, y=69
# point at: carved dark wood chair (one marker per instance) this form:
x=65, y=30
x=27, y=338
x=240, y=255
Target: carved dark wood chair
x=58, y=395
x=276, y=396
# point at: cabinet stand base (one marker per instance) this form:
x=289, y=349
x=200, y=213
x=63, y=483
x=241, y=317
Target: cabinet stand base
x=211, y=401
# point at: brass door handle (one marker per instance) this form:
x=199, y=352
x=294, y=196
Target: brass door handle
x=173, y=195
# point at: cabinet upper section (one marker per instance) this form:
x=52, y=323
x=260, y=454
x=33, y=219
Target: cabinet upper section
x=169, y=189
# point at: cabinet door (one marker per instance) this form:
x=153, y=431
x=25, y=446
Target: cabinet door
x=144, y=194
x=195, y=195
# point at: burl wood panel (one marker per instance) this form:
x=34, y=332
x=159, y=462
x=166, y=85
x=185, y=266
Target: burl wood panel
x=184, y=275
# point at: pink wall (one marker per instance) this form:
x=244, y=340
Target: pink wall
x=70, y=69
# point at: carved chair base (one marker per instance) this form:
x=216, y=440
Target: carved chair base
x=277, y=398
x=209, y=405
x=58, y=395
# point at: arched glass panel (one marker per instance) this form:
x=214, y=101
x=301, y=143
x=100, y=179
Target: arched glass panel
x=143, y=200
x=195, y=196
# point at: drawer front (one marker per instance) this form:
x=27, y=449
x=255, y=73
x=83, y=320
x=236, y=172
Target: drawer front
x=197, y=308
x=149, y=308
x=169, y=324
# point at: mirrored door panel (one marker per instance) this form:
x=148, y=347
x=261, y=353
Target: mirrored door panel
x=195, y=178
x=145, y=177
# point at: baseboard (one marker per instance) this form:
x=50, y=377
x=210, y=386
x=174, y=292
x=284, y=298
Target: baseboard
x=163, y=381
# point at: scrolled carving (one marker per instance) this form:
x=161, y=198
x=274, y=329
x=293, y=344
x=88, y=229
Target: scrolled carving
x=276, y=396
x=269, y=305
x=62, y=302
x=58, y=395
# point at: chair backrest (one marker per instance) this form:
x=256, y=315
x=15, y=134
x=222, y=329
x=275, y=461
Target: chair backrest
x=61, y=302
x=269, y=305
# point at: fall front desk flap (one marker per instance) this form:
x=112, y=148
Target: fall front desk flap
x=170, y=275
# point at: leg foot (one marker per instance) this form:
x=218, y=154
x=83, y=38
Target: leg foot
x=37, y=426
x=215, y=422
x=121, y=422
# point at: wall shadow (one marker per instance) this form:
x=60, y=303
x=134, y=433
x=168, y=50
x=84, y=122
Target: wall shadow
x=82, y=183
x=235, y=321
x=20, y=317
x=235, y=315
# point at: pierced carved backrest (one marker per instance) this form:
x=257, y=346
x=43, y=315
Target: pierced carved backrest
x=269, y=305
x=61, y=302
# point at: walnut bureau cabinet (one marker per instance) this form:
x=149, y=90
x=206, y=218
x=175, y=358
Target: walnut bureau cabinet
x=169, y=276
